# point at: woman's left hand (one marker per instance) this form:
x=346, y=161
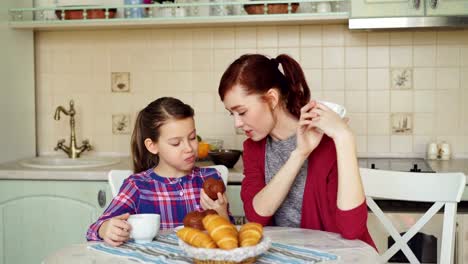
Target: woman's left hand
x=328, y=121
x=220, y=205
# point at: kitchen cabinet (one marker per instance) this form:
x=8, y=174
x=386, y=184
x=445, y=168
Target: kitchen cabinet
x=39, y=217
x=446, y=7
x=390, y=8
x=407, y=8
x=17, y=98
x=235, y=203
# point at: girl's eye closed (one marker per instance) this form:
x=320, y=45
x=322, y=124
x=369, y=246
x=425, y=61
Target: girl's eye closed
x=243, y=113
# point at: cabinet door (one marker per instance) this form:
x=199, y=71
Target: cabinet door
x=386, y=8
x=235, y=203
x=446, y=7
x=40, y=217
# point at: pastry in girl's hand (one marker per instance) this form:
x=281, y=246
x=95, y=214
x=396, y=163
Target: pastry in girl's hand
x=250, y=234
x=221, y=231
x=194, y=218
x=196, y=238
x=212, y=187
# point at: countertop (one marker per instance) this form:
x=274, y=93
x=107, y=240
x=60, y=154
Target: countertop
x=453, y=165
x=15, y=171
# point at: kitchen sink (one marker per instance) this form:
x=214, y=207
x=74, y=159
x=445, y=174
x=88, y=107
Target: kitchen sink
x=54, y=162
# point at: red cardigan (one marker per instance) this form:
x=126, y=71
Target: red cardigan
x=319, y=209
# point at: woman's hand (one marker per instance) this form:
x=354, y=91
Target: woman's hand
x=220, y=205
x=115, y=231
x=308, y=137
x=328, y=121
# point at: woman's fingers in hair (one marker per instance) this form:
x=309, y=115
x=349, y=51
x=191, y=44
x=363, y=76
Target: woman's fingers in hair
x=308, y=106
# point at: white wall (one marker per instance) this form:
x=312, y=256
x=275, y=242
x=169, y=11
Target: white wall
x=348, y=68
x=17, y=98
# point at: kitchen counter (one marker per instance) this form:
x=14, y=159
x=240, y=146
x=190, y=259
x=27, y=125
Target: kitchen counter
x=15, y=171
x=453, y=165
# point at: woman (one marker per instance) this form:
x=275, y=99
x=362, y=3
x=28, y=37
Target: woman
x=300, y=161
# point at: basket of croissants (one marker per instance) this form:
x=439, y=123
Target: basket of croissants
x=210, y=238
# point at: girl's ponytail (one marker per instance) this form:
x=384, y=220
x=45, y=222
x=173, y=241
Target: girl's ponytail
x=298, y=93
x=142, y=158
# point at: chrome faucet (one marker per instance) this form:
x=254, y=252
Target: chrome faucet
x=73, y=151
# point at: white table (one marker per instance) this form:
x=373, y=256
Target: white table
x=350, y=251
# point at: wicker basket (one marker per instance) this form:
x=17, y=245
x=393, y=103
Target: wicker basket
x=247, y=261
x=243, y=255
x=272, y=9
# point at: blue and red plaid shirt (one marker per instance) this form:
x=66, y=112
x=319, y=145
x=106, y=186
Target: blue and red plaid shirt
x=146, y=192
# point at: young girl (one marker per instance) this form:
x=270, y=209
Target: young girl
x=166, y=181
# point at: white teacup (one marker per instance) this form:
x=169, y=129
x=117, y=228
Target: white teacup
x=340, y=110
x=144, y=227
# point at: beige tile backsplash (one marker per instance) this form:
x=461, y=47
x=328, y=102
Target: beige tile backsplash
x=350, y=68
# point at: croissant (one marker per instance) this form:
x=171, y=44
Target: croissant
x=196, y=238
x=221, y=230
x=250, y=234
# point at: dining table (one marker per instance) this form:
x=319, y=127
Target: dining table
x=348, y=251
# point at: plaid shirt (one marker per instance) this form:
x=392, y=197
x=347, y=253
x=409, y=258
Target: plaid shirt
x=146, y=192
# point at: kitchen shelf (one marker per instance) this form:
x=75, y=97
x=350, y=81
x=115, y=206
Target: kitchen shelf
x=33, y=18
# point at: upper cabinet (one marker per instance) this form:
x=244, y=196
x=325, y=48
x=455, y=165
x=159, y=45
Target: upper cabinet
x=386, y=8
x=392, y=14
x=407, y=8
x=195, y=13
x=446, y=7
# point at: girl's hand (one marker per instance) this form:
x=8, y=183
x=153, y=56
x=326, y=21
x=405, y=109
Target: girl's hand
x=115, y=231
x=220, y=205
x=328, y=121
x=308, y=137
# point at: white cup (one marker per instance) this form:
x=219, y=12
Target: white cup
x=432, y=151
x=144, y=227
x=340, y=110
x=323, y=7
x=445, y=151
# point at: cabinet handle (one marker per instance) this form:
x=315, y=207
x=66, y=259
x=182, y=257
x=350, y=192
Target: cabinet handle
x=101, y=198
x=434, y=4
x=416, y=4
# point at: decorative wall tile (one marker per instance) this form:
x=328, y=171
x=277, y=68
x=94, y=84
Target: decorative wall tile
x=402, y=123
x=120, y=82
x=121, y=124
x=401, y=78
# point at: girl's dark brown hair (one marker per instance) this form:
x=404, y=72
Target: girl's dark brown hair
x=147, y=125
x=257, y=74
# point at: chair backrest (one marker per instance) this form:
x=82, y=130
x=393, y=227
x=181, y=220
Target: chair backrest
x=223, y=170
x=443, y=189
x=117, y=177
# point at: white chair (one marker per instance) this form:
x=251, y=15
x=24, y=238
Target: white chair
x=444, y=189
x=117, y=177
